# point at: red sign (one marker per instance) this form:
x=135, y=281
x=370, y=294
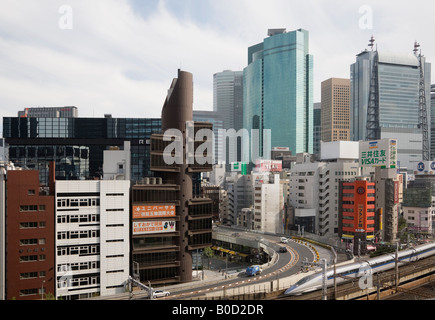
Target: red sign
x=143, y=212
x=268, y=165
x=396, y=192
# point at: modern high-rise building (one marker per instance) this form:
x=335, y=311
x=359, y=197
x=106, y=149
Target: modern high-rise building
x=278, y=91
x=317, y=127
x=168, y=221
x=228, y=98
x=216, y=119
x=228, y=103
x=396, y=94
x=335, y=123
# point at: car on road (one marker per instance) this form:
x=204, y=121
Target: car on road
x=253, y=270
x=282, y=249
x=284, y=240
x=160, y=293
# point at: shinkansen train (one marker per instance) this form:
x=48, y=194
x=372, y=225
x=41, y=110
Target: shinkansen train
x=355, y=270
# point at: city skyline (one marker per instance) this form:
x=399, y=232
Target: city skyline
x=116, y=57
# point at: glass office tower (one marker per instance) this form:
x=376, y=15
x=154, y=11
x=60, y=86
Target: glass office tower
x=77, y=144
x=228, y=98
x=398, y=86
x=278, y=90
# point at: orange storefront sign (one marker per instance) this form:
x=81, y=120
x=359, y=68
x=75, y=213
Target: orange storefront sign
x=141, y=212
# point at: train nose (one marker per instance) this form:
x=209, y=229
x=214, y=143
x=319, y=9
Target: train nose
x=291, y=290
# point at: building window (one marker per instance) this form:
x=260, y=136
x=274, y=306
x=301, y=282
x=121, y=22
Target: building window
x=31, y=192
x=26, y=208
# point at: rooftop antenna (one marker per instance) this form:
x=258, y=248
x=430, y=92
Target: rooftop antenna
x=422, y=105
x=372, y=125
x=372, y=42
x=416, y=46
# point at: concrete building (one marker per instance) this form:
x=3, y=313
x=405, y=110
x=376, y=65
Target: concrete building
x=49, y=112
x=335, y=116
x=117, y=163
x=240, y=195
x=92, y=238
x=358, y=222
x=314, y=186
x=267, y=203
x=163, y=242
x=419, y=205
x=3, y=151
x=28, y=255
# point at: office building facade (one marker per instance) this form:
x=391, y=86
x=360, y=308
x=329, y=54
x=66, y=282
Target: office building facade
x=217, y=120
x=398, y=77
x=77, y=144
x=228, y=98
x=357, y=218
x=92, y=234
x=29, y=242
x=278, y=91
x=335, y=117
x=317, y=128
x=228, y=102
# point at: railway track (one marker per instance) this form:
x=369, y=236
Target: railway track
x=422, y=287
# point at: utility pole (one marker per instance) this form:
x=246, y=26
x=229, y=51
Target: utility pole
x=397, y=266
x=325, y=289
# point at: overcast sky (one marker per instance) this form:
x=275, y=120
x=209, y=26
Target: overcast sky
x=120, y=56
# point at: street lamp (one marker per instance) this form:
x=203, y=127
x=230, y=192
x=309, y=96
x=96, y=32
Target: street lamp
x=42, y=289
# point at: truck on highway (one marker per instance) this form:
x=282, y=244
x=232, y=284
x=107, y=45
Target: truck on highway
x=253, y=270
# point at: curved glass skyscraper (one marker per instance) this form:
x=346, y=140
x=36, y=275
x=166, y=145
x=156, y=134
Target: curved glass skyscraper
x=278, y=90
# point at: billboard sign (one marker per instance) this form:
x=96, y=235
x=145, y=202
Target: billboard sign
x=268, y=165
x=160, y=211
x=424, y=167
x=239, y=167
x=379, y=153
x=148, y=227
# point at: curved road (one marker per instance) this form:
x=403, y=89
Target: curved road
x=288, y=264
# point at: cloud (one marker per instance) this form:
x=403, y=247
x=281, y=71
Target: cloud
x=121, y=55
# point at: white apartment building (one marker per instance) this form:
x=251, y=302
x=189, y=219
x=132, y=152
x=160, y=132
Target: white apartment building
x=117, y=163
x=268, y=202
x=420, y=219
x=314, y=186
x=92, y=237
x=239, y=193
